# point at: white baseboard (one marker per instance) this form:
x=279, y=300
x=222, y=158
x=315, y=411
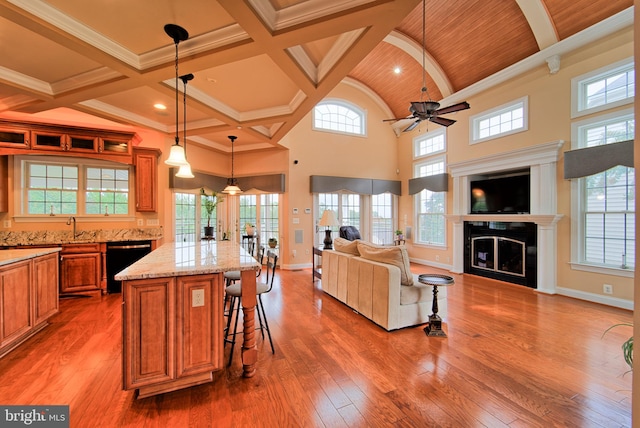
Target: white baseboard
x=430, y=263
x=596, y=298
x=297, y=266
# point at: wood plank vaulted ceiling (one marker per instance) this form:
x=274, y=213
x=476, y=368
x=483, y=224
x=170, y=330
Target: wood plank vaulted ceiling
x=261, y=65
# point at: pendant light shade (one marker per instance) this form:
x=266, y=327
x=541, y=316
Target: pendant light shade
x=232, y=184
x=177, y=155
x=185, y=171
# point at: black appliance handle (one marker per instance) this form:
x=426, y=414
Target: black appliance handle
x=128, y=247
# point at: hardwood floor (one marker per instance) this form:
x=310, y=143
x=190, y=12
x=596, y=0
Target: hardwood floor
x=512, y=357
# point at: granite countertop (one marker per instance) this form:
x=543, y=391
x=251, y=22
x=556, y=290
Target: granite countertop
x=190, y=258
x=57, y=237
x=12, y=256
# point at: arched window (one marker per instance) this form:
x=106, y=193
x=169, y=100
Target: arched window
x=339, y=116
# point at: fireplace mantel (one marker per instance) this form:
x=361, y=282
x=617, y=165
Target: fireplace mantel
x=540, y=219
x=542, y=161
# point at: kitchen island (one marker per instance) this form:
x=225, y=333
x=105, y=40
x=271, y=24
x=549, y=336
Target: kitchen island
x=172, y=316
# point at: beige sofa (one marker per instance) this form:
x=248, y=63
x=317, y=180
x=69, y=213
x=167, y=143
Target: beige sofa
x=369, y=278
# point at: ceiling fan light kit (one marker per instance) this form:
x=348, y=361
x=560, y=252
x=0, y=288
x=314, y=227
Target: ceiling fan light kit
x=429, y=109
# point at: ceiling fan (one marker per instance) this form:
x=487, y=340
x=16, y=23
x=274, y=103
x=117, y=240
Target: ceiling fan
x=428, y=110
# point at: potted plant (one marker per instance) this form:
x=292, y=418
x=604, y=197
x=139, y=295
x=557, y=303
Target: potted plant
x=250, y=229
x=399, y=235
x=273, y=242
x=210, y=203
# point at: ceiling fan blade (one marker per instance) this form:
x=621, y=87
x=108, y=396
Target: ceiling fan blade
x=453, y=108
x=413, y=125
x=397, y=118
x=442, y=121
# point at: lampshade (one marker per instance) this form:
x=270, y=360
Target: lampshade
x=185, y=171
x=328, y=219
x=176, y=156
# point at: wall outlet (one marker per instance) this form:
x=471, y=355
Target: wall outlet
x=6, y=224
x=140, y=222
x=437, y=258
x=294, y=253
x=197, y=298
x=607, y=288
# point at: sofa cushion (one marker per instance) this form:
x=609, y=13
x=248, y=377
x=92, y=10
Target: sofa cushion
x=345, y=246
x=416, y=293
x=395, y=255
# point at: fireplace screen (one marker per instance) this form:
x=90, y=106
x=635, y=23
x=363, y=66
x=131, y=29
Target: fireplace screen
x=498, y=254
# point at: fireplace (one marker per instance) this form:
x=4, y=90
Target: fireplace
x=506, y=251
x=505, y=234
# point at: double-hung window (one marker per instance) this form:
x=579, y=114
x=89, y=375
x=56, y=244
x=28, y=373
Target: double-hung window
x=72, y=187
x=429, y=206
x=603, y=204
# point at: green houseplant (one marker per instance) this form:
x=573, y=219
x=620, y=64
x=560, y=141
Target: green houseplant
x=627, y=345
x=210, y=202
x=399, y=235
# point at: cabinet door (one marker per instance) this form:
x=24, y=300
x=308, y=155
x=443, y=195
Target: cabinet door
x=17, y=138
x=43, y=140
x=15, y=302
x=148, y=326
x=199, y=341
x=45, y=293
x=146, y=162
x=79, y=272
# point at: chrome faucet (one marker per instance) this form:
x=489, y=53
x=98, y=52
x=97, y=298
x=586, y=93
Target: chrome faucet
x=72, y=218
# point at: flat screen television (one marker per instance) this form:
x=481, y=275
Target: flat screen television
x=505, y=194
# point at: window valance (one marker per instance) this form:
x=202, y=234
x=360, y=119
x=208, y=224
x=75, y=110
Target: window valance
x=362, y=186
x=592, y=160
x=271, y=183
x=435, y=183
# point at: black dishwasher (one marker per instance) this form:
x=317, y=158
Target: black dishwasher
x=119, y=256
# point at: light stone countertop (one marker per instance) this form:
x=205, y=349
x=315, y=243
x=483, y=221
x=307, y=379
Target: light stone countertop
x=57, y=237
x=190, y=258
x=12, y=256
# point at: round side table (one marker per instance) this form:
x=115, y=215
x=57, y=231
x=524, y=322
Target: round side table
x=434, y=328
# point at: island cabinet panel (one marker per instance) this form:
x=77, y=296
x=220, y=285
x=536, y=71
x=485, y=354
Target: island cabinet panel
x=15, y=302
x=199, y=324
x=148, y=332
x=172, y=332
x=45, y=272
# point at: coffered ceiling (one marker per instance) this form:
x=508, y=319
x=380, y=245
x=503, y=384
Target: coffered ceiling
x=261, y=65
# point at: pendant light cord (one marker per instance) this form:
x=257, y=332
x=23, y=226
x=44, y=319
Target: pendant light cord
x=177, y=89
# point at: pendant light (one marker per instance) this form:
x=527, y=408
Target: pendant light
x=232, y=184
x=185, y=170
x=176, y=155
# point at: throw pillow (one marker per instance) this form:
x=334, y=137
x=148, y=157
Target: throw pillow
x=396, y=255
x=345, y=246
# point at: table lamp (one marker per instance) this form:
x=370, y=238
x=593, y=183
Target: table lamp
x=328, y=220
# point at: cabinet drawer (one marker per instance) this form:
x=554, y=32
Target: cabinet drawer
x=81, y=248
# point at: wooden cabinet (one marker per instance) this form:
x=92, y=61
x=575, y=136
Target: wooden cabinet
x=172, y=332
x=36, y=138
x=28, y=298
x=45, y=290
x=16, y=137
x=80, y=268
x=146, y=164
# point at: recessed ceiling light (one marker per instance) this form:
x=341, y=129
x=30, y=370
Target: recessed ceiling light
x=160, y=106
x=211, y=80
x=397, y=70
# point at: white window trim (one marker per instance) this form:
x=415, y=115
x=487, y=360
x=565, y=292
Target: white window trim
x=19, y=184
x=474, y=120
x=577, y=202
x=578, y=81
x=347, y=104
x=428, y=135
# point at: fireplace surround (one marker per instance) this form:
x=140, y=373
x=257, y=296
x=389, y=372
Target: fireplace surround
x=542, y=161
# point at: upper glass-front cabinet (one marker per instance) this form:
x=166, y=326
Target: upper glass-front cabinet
x=14, y=137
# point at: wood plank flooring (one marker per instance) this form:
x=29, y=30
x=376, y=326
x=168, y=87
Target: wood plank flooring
x=512, y=358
